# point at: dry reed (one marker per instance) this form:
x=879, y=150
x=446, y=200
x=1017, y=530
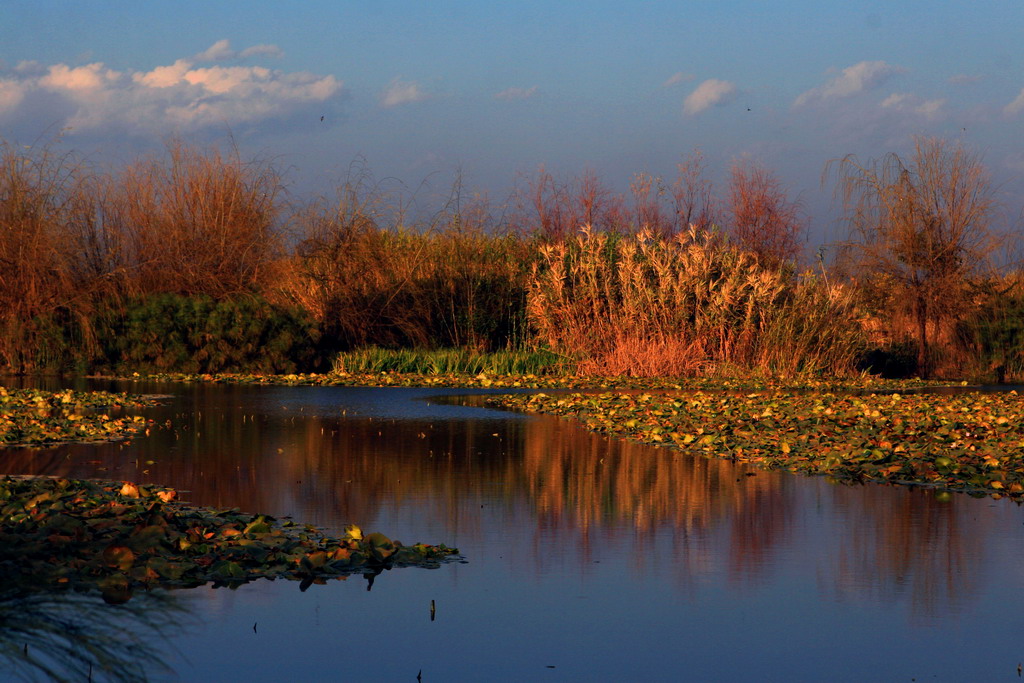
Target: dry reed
x=199, y=222
x=443, y=285
x=686, y=306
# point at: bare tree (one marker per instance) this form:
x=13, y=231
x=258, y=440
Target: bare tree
x=922, y=224
x=764, y=220
x=556, y=209
x=693, y=200
x=647, y=191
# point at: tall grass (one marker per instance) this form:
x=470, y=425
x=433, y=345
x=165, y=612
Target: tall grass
x=78, y=245
x=45, y=283
x=450, y=361
x=447, y=284
x=198, y=222
x=689, y=305
x=989, y=341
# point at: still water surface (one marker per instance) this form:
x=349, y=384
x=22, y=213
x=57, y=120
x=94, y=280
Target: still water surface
x=587, y=559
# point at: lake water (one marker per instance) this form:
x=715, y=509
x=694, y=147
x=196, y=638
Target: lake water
x=586, y=558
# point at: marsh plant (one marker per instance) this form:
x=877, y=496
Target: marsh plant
x=450, y=285
x=451, y=362
x=689, y=305
x=196, y=260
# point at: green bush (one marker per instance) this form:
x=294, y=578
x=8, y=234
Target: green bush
x=169, y=332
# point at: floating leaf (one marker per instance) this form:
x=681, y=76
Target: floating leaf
x=129, y=490
x=114, y=543
x=948, y=439
x=116, y=589
x=118, y=556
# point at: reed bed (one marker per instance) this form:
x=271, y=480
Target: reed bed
x=398, y=287
x=689, y=305
x=197, y=222
x=45, y=278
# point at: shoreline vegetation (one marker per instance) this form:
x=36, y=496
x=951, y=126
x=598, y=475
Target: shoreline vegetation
x=484, y=380
x=196, y=265
x=198, y=261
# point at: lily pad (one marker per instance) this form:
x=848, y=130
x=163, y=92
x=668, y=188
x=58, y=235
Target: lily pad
x=114, y=538
x=970, y=441
x=34, y=417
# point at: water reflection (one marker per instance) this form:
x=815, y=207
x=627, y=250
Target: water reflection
x=558, y=495
x=910, y=546
x=66, y=635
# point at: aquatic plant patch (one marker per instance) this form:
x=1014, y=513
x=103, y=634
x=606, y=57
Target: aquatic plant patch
x=865, y=383
x=117, y=537
x=960, y=442
x=34, y=417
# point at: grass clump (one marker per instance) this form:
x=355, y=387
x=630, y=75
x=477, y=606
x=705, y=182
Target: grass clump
x=450, y=362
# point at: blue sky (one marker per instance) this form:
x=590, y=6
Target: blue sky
x=495, y=90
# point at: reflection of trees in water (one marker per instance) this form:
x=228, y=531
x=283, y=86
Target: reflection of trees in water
x=71, y=636
x=444, y=470
x=587, y=486
x=905, y=544
x=577, y=486
x=344, y=469
x=205, y=446
x=761, y=524
x=603, y=481
x=566, y=492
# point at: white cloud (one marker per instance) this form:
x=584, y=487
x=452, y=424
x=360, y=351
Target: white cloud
x=178, y=95
x=710, y=93
x=677, y=78
x=1015, y=107
x=82, y=78
x=261, y=50
x=516, y=93
x=221, y=51
x=905, y=102
x=401, y=92
x=11, y=95
x=164, y=76
x=853, y=80
x=29, y=67
x=931, y=109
